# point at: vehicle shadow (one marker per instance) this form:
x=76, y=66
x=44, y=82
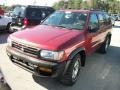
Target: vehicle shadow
x=89, y=78
x=114, y=53
x=53, y=84
x=3, y=37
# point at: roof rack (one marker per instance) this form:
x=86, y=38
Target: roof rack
x=39, y=6
x=97, y=10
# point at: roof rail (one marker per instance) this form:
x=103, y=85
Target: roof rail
x=38, y=6
x=97, y=10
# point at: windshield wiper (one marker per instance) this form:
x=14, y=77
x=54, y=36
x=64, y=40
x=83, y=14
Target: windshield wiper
x=74, y=28
x=47, y=24
x=61, y=26
x=68, y=27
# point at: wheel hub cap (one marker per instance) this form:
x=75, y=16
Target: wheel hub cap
x=75, y=69
x=107, y=44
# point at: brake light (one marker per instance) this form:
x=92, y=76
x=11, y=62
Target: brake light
x=26, y=21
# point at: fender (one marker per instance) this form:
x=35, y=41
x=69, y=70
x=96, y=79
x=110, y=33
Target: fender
x=76, y=51
x=71, y=56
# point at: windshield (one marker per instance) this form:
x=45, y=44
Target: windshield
x=71, y=20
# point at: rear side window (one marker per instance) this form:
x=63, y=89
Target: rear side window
x=94, y=21
x=33, y=13
x=101, y=20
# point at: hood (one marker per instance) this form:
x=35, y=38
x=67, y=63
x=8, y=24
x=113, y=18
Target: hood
x=48, y=37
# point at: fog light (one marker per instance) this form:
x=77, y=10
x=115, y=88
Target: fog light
x=45, y=69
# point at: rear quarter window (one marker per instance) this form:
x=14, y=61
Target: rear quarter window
x=101, y=20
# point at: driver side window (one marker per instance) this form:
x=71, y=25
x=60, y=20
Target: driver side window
x=93, y=23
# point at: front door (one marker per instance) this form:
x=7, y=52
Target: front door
x=93, y=36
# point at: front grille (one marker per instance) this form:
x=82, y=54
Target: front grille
x=26, y=49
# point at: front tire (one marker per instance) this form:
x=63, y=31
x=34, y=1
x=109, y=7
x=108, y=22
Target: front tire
x=72, y=73
x=8, y=27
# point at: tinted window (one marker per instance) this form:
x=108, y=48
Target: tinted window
x=93, y=23
x=101, y=20
x=71, y=20
x=108, y=20
x=33, y=13
x=45, y=13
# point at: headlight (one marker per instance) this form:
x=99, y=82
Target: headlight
x=9, y=41
x=52, y=55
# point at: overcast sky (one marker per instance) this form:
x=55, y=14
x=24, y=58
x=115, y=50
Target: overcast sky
x=28, y=2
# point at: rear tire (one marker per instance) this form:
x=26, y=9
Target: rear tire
x=71, y=75
x=104, y=47
x=10, y=30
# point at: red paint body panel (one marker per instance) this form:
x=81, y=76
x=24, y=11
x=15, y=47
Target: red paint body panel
x=51, y=38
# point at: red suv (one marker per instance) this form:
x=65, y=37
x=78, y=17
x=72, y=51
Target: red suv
x=58, y=47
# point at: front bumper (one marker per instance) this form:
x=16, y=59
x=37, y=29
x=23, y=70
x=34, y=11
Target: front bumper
x=35, y=65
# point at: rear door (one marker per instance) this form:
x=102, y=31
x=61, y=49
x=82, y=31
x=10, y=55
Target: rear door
x=104, y=26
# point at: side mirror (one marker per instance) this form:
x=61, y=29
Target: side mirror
x=41, y=21
x=0, y=17
x=92, y=29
